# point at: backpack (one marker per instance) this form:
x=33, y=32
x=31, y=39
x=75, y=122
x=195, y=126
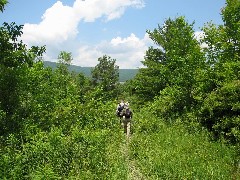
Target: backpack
x=120, y=108
x=127, y=113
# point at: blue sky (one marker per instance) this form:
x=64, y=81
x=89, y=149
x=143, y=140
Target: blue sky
x=90, y=29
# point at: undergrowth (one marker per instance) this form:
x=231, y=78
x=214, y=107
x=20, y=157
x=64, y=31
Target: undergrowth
x=164, y=151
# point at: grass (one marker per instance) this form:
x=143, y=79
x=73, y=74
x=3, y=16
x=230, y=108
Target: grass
x=154, y=151
x=171, y=152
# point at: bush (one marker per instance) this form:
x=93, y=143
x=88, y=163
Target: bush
x=82, y=154
x=220, y=111
x=171, y=102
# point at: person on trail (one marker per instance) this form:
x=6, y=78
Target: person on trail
x=120, y=108
x=127, y=117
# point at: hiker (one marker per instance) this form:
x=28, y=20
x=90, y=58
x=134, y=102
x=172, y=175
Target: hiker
x=120, y=108
x=127, y=116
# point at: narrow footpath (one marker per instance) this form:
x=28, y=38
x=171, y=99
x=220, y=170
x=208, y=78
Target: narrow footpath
x=134, y=172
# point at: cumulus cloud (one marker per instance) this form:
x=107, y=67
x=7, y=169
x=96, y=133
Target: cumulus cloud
x=90, y=10
x=59, y=28
x=128, y=52
x=59, y=22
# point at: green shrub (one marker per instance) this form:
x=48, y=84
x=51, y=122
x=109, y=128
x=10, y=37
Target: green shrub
x=171, y=102
x=220, y=111
x=83, y=154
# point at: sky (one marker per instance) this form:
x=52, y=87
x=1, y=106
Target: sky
x=90, y=29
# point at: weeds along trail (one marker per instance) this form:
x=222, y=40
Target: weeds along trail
x=172, y=151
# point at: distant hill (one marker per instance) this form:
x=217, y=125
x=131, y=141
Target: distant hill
x=124, y=74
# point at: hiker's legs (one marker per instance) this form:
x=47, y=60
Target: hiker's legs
x=127, y=126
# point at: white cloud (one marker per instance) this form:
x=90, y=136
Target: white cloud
x=59, y=22
x=90, y=10
x=199, y=35
x=58, y=30
x=87, y=56
x=128, y=52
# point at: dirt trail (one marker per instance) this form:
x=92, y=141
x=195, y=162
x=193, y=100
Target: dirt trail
x=134, y=172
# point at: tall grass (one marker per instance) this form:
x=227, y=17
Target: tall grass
x=100, y=150
x=82, y=153
x=170, y=152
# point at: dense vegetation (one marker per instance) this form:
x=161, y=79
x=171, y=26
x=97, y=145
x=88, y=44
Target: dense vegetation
x=58, y=124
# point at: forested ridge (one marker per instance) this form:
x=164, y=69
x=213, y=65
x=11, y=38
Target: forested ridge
x=124, y=74
x=58, y=124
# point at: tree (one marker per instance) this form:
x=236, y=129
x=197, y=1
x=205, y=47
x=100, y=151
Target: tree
x=106, y=74
x=15, y=59
x=223, y=41
x=174, y=62
x=151, y=79
x=2, y=4
x=219, y=89
x=65, y=57
x=64, y=61
x=222, y=51
x=231, y=31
